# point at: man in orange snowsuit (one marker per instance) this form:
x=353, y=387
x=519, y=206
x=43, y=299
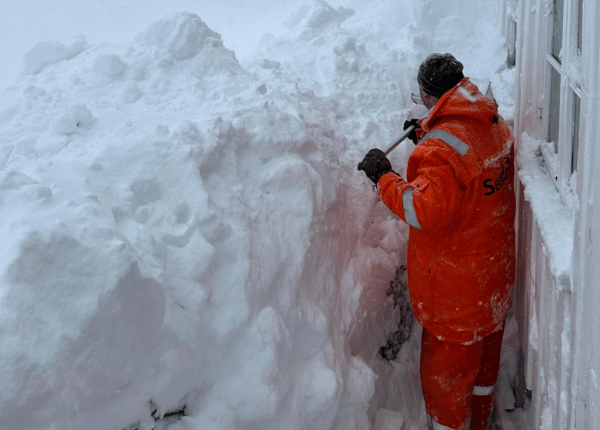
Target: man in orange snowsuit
x=458, y=199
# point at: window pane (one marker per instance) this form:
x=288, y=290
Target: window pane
x=580, y=26
x=554, y=106
x=511, y=41
x=557, y=29
x=575, y=132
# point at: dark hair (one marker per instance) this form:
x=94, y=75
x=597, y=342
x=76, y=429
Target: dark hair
x=439, y=73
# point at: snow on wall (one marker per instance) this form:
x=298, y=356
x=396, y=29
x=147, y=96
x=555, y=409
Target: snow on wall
x=186, y=234
x=554, y=220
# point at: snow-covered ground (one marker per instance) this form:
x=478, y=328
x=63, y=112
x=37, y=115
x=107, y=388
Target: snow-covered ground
x=186, y=241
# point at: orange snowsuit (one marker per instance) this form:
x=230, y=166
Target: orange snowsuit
x=459, y=202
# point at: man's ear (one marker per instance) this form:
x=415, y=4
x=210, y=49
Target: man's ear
x=429, y=101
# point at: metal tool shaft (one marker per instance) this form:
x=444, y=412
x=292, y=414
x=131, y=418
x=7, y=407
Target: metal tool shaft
x=399, y=140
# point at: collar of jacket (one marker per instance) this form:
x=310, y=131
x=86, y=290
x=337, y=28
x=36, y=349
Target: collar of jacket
x=464, y=101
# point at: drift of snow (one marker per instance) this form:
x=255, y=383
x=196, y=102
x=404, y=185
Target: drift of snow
x=186, y=235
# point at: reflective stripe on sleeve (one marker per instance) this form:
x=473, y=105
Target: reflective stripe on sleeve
x=483, y=391
x=451, y=140
x=409, y=209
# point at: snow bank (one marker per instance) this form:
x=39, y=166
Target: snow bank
x=187, y=242
x=163, y=242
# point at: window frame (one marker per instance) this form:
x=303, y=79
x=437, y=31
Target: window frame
x=559, y=161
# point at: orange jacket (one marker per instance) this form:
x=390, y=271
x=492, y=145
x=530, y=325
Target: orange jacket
x=460, y=204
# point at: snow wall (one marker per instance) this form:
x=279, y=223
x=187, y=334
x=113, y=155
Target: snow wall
x=186, y=242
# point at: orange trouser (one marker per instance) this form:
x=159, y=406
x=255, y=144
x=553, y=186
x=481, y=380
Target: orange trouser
x=458, y=381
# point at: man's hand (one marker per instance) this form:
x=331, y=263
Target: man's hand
x=412, y=136
x=375, y=165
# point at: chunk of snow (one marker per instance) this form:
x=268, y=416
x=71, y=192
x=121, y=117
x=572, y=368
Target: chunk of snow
x=388, y=420
x=109, y=65
x=50, y=52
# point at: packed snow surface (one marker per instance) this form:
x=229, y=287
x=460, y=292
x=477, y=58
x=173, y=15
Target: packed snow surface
x=186, y=241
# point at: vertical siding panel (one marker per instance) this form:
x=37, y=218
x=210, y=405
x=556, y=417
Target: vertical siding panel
x=544, y=311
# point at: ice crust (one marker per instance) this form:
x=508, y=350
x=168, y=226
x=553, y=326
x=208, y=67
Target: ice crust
x=182, y=232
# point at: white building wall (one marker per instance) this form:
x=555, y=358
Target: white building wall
x=559, y=312
x=543, y=309
x=586, y=254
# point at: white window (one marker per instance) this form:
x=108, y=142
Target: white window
x=511, y=41
x=509, y=21
x=563, y=89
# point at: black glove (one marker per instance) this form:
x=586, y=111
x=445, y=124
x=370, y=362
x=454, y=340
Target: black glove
x=413, y=135
x=375, y=165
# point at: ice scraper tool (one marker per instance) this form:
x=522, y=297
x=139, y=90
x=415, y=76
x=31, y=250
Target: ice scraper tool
x=399, y=140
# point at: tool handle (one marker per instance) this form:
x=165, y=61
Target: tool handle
x=399, y=140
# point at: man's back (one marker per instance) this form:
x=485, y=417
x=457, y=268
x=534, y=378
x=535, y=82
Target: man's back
x=461, y=253
x=459, y=201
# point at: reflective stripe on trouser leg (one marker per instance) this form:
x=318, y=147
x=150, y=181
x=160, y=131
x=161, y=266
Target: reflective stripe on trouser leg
x=483, y=391
x=448, y=372
x=434, y=425
x=482, y=402
x=482, y=405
